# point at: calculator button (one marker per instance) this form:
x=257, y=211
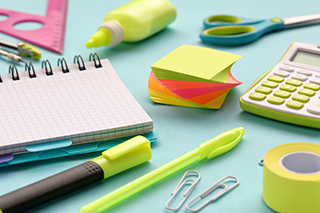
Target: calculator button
x=286, y=68
x=314, y=108
x=274, y=78
x=288, y=88
x=305, y=72
x=315, y=80
x=281, y=94
x=257, y=96
x=264, y=90
x=301, y=98
x=275, y=100
x=293, y=82
x=282, y=73
x=307, y=92
x=314, y=87
x=294, y=104
x=269, y=84
x=300, y=77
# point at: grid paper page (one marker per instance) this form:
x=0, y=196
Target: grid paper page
x=83, y=106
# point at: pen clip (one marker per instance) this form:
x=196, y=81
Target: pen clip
x=126, y=147
x=28, y=50
x=221, y=143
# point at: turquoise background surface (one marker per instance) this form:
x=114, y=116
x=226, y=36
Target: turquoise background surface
x=181, y=129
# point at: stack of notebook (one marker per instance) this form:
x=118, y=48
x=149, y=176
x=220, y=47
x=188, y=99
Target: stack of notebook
x=193, y=76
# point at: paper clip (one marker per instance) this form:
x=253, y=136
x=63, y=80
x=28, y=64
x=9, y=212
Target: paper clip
x=210, y=189
x=180, y=185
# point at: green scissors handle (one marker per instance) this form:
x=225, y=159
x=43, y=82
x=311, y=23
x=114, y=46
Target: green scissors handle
x=232, y=30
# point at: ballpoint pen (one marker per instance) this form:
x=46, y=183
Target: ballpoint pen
x=112, y=161
x=22, y=49
x=11, y=56
x=209, y=149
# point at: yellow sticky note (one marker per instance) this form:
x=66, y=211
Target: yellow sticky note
x=193, y=63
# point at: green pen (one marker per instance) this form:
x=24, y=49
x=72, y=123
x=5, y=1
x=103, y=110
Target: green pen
x=209, y=149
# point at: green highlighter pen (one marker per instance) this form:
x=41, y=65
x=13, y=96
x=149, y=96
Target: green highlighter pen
x=112, y=161
x=209, y=149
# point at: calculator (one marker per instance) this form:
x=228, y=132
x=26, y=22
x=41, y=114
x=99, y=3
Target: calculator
x=289, y=91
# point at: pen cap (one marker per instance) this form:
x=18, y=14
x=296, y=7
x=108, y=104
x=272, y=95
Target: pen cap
x=221, y=143
x=124, y=156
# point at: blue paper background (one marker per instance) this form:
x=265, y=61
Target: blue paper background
x=181, y=129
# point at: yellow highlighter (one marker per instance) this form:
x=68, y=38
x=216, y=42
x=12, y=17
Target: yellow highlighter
x=112, y=161
x=209, y=149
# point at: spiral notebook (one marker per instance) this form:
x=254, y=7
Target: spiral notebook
x=66, y=105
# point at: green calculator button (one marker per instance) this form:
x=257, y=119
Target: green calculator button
x=301, y=98
x=257, y=96
x=274, y=78
x=294, y=82
x=269, y=84
x=281, y=94
x=312, y=86
x=294, y=104
x=288, y=88
x=264, y=90
x=307, y=92
x=275, y=100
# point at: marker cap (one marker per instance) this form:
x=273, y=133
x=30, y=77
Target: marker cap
x=124, y=156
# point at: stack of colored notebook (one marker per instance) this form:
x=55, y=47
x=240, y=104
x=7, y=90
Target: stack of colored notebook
x=193, y=76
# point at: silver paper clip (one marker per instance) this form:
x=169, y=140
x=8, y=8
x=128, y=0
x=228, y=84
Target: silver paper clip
x=210, y=189
x=181, y=183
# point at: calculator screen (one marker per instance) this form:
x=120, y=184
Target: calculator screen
x=307, y=58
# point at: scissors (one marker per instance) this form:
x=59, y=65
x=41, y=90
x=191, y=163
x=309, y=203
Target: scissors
x=232, y=30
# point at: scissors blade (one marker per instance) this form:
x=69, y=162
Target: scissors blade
x=301, y=20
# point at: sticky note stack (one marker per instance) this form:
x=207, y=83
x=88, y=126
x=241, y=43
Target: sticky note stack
x=193, y=76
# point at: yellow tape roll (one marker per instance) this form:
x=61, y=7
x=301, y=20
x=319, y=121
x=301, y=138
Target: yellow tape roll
x=291, y=178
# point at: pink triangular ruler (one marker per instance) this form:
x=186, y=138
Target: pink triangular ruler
x=50, y=36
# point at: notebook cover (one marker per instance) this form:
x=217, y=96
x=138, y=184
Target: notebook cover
x=73, y=150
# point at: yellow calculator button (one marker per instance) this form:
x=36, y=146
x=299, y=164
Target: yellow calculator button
x=257, y=96
x=269, y=84
x=301, y=98
x=312, y=86
x=288, y=88
x=281, y=94
x=307, y=92
x=264, y=90
x=294, y=104
x=275, y=100
x=274, y=78
x=294, y=82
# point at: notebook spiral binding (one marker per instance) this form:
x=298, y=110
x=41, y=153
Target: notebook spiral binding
x=94, y=60
x=46, y=65
x=13, y=68
x=64, y=69
x=29, y=67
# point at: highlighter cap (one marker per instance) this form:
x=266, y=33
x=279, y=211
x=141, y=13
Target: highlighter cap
x=124, y=156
